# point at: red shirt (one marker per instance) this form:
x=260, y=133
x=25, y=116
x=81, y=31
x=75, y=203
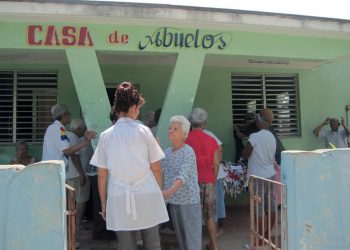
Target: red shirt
x=204, y=147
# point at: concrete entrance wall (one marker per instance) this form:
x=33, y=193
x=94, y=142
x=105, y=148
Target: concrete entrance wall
x=32, y=207
x=318, y=189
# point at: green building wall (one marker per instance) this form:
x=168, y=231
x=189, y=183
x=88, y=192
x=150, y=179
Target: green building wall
x=323, y=91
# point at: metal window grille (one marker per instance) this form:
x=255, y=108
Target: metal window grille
x=253, y=92
x=26, y=98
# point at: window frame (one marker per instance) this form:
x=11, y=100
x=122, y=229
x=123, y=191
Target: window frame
x=265, y=89
x=33, y=87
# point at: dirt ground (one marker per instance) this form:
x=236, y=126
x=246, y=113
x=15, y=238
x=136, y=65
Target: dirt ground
x=235, y=234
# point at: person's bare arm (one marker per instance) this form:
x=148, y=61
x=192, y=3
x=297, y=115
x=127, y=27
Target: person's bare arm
x=216, y=163
x=170, y=191
x=72, y=150
x=346, y=129
x=317, y=130
x=102, y=189
x=219, y=152
x=247, y=151
x=89, y=135
x=157, y=172
x=239, y=134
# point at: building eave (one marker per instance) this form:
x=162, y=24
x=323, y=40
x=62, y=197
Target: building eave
x=183, y=16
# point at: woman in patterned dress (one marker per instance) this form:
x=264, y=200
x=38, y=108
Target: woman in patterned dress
x=181, y=188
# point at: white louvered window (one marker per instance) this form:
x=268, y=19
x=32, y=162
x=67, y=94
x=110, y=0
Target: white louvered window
x=26, y=98
x=253, y=92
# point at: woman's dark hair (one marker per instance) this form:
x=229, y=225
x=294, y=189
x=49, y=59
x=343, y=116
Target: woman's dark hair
x=113, y=117
x=126, y=95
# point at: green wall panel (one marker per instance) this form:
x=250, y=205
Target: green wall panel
x=181, y=92
x=214, y=95
x=90, y=88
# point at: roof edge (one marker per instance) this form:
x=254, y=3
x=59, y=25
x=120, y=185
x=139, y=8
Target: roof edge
x=193, y=8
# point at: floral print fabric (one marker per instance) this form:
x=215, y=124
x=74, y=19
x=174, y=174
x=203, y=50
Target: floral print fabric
x=181, y=164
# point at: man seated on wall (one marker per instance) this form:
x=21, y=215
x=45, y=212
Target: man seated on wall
x=334, y=137
x=22, y=155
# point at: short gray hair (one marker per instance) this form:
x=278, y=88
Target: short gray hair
x=198, y=117
x=185, y=124
x=58, y=110
x=77, y=123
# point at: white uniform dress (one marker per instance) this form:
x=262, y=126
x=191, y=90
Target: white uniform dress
x=134, y=199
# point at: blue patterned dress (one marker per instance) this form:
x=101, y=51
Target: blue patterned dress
x=184, y=204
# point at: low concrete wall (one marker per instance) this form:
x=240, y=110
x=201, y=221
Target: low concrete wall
x=318, y=194
x=32, y=207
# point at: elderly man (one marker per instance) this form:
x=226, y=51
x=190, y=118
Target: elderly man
x=76, y=173
x=56, y=143
x=333, y=137
x=206, y=150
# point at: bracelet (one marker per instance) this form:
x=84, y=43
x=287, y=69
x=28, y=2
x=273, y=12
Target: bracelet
x=103, y=205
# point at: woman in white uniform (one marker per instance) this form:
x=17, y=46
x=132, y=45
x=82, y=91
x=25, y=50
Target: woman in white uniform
x=130, y=156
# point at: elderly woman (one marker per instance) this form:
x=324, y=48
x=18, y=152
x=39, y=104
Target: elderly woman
x=22, y=156
x=128, y=153
x=181, y=186
x=206, y=150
